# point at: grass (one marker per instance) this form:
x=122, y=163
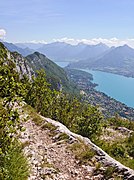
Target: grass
x=49, y=126
x=82, y=152
x=118, y=151
x=33, y=114
x=46, y=164
x=15, y=165
x=63, y=136
x=117, y=144
x=108, y=173
x=111, y=173
x=25, y=144
x=127, y=162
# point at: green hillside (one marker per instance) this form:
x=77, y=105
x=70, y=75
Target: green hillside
x=56, y=75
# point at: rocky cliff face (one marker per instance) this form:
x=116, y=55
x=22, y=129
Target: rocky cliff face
x=22, y=66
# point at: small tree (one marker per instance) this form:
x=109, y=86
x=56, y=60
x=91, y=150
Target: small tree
x=89, y=124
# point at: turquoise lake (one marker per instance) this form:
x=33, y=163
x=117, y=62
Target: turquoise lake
x=118, y=87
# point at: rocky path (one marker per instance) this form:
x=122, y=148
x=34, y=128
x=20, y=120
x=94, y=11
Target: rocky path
x=51, y=159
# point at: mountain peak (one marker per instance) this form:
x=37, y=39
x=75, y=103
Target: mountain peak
x=102, y=45
x=126, y=46
x=37, y=53
x=82, y=44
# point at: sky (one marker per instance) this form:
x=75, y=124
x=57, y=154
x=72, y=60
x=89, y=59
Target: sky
x=72, y=21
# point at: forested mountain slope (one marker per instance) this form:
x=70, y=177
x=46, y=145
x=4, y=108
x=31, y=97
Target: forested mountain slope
x=55, y=74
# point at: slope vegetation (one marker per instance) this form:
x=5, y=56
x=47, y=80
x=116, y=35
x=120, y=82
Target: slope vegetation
x=55, y=74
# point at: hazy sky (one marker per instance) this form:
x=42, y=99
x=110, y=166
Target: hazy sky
x=27, y=20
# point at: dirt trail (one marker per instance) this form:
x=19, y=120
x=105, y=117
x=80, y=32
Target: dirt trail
x=50, y=159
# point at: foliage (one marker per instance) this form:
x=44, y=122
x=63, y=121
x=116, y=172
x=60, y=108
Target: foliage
x=119, y=122
x=50, y=103
x=9, y=85
x=14, y=165
x=89, y=124
x=130, y=145
x=117, y=150
x=82, y=152
x=55, y=75
x=109, y=172
x=79, y=117
x=32, y=114
x=11, y=156
x=62, y=136
x=122, y=152
x=49, y=126
x=8, y=122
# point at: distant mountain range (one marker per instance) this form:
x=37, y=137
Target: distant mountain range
x=60, y=51
x=23, y=51
x=34, y=46
x=119, y=60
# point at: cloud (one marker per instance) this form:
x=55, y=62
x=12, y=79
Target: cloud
x=110, y=42
x=37, y=42
x=33, y=42
x=2, y=33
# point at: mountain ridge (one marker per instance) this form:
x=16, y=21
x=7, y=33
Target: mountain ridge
x=62, y=51
x=13, y=48
x=119, y=60
x=55, y=74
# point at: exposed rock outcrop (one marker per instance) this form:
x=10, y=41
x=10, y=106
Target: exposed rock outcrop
x=102, y=155
x=21, y=64
x=50, y=158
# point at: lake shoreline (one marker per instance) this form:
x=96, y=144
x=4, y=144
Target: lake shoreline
x=114, y=85
x=111, y=72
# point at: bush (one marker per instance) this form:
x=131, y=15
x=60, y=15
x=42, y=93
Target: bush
x=109, y=173
x=89, y=124
x=117, y=150
x=14, y=165
x=130, y=144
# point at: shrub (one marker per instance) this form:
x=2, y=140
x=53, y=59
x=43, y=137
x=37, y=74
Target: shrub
x=109, y=172
x=14, y=165
x=117, y=150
